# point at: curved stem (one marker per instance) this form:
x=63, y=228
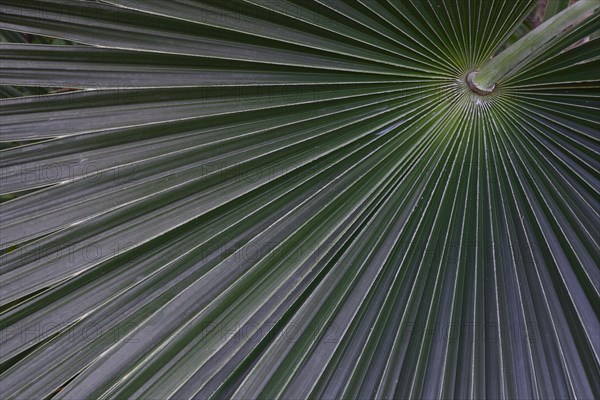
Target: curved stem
x=529, y=45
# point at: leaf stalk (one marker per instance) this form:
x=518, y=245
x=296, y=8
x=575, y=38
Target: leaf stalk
x=513, y=58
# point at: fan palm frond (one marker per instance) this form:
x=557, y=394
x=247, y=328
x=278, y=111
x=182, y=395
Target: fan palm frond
x=259, y=199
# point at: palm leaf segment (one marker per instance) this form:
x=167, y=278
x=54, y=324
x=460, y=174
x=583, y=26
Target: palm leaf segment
x=258, y=199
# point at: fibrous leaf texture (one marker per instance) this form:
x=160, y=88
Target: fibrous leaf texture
x=296, y=199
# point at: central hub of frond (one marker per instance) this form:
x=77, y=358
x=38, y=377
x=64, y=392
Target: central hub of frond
x=476, y=88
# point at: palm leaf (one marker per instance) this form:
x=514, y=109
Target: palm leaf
x=257, y=199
